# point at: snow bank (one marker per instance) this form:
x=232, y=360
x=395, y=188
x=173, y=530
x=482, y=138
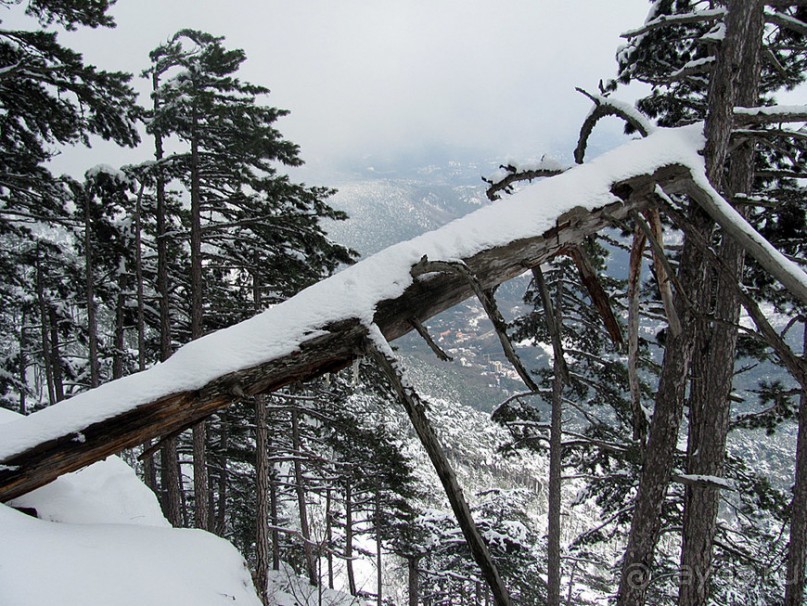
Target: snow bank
x=102, y=564
x=106, y=492
x=103, y=541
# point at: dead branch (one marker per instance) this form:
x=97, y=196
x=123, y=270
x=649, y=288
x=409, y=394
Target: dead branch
x=787, y=22
x=604, y=107
x=421, y=330
x=485, y=296
x=551, y=324
x=665, y=274
x=639, y=420
x=795, y=365
x=515, y=176
x=599, y=297
x=737, y=227
x=745, y=116
x=333, y=346
x=378, y=348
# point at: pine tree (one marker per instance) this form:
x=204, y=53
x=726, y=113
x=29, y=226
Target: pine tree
x=49, y=97
x=702, y=61
x=254, y=235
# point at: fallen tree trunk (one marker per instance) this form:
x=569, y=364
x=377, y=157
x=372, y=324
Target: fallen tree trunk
x=333, y=347
x=323, y=328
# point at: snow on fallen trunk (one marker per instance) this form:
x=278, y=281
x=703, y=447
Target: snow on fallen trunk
x=356, y=291
x=325, y=325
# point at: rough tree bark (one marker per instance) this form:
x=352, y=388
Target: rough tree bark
x=709, y=403
x=262, y=560
x=797, y=547
x=637, y=564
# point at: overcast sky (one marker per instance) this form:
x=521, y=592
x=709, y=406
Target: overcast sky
x=397, y=78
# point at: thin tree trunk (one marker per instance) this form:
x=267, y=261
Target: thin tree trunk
x=55, y=354
x=169, y=462
x=23, y=363
x=299, y=482
x=351, y=577
x=223, y=482
x=201, y=513
x=89, y=276
x=149, y=467
x=44, y=319
x=797, y=547
x=118, y=354
x=329, y=534
x=262, y=497
x=413, y=582
x=378, y=559
x=709, y=404
x=554, y=322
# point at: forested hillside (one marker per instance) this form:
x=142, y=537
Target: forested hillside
x=584, y=384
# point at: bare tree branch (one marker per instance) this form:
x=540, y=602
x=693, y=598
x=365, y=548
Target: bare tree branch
x=603, y=106
x=516, y=175
x=421, y=330
x=488, y=303
x=379, y=349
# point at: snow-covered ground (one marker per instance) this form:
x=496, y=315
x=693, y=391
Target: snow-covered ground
x=101, y=540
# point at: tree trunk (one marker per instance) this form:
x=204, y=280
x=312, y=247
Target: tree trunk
x=169, y=462
x=201, y=513
x=23, y=363
x=413, y=584
x=637, y=564
x=299, y=482
x=89, y=276
x=44, y=319
x=149, y=467
x=709, y=405
x=170, y=476
x=379, y=564
x=118, y=355
x=275, y=518
x=262, y=498
x=797, y=547
x=661, y=441
x=329, y=534
x=351, y=577
x=554, y=322
x=55, y=354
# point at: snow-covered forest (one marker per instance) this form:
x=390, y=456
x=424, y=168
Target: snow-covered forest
x=585, y=383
